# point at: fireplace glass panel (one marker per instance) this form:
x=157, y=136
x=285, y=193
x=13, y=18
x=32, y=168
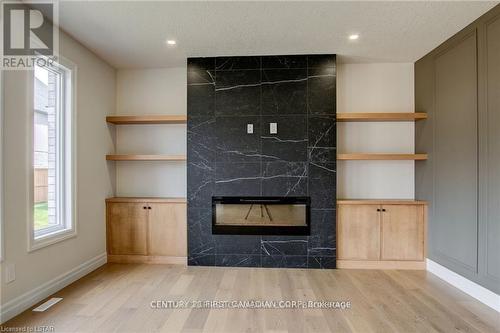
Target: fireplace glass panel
x=261, y=214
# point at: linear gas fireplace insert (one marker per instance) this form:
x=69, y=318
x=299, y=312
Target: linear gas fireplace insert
x=261, y=215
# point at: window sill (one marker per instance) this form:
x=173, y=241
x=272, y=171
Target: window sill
x=50, y=239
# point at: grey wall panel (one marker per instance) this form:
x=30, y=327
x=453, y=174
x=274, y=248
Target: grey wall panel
x=491, y=222
x=424, y=89
x=458, y=85
x=455, y=154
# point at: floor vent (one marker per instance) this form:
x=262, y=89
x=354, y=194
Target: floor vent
x=44, y=306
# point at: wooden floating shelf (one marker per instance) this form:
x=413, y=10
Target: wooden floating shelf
x=389, y=157
x=386, y=116
x=144, y=120
x=380, y=202
x=146, y=157
x=147, y=199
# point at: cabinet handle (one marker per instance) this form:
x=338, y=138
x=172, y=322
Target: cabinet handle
x=149, y=207
x=378, y=209
x=383, y=210
x=144, y=207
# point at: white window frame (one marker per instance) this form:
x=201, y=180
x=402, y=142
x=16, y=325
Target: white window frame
x=66, y=153
x=2, y=99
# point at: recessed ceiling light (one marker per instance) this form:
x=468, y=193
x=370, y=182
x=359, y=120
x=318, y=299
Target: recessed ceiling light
x=353, y=37
x=171, y=42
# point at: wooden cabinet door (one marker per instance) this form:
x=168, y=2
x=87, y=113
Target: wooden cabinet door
x=402, y=232
x=358, y=231
x=167, y=229
x=127, y=225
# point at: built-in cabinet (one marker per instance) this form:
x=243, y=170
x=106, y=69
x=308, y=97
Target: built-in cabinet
x=458, y=85
x=146, y=230
x=381, y=234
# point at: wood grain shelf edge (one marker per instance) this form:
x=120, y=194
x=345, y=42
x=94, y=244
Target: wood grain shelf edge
x=125, y=157
x=387, y=157
x=147, y=119
x=381, y=116
x=147, y=199
x=380, y=202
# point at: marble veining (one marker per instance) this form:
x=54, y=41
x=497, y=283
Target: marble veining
x=224, y=95
x=275, y=138
x=259, y=177
x=265, y=82
x=323, y=167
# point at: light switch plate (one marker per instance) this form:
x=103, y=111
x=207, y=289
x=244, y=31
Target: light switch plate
x=249, y=128
x=273, y=128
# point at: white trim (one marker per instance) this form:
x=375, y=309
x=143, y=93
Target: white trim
x=69, y=70
x=467, y=286
x=50, y=239
x=32, y=297
x=2, y=99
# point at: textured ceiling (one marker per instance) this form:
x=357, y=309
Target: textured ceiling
x=132, y=34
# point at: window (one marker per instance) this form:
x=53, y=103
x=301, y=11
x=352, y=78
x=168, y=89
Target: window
x=52, y=156
x=2, y=98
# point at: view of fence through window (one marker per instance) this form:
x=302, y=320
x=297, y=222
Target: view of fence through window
x=45, y=148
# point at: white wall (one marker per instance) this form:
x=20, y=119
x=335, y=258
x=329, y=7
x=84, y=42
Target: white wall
x=95, y=94
x=151, y=91
x=375, y=88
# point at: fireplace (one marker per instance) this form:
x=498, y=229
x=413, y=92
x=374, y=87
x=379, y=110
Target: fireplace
x=261, y=128
x=261, y=215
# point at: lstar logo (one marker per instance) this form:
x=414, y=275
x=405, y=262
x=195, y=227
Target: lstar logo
x=29, y=34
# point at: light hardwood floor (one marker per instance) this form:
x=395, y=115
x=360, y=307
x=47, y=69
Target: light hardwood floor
x=117, y=298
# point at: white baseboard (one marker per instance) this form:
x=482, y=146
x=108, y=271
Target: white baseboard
x=467, y=286
x=19, y=304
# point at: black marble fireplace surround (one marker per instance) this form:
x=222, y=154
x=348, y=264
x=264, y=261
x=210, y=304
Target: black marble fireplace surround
x=224, y=95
